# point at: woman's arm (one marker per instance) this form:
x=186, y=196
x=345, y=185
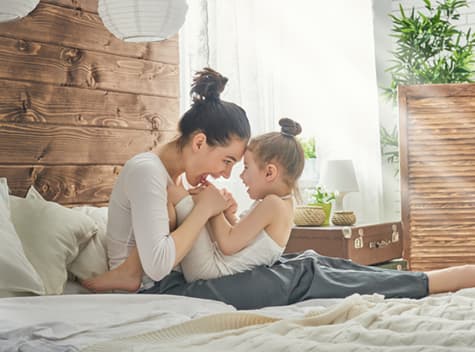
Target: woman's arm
x=160, y=250
x=231, y=239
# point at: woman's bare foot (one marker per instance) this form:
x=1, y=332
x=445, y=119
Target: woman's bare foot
x=115, y=279
x=126, y=277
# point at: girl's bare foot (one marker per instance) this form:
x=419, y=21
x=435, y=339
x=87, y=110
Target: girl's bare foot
x=115, y=279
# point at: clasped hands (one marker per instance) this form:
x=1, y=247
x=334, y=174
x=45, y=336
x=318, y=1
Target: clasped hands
x=222, y=199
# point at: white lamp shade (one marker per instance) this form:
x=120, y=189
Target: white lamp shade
x=339, y=175
x=11, y=10
x=143, y=20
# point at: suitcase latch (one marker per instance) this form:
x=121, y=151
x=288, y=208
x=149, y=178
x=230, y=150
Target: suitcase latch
x=395, y=234
x=359, y=243
x=346, y=232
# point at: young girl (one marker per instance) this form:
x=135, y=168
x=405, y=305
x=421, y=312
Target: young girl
x=272, y=164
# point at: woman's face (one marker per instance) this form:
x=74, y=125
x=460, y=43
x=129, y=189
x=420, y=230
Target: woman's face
x=216, y=161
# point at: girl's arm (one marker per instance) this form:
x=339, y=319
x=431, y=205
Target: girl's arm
x=230, y=211
x=231, y=239
x=208, y=203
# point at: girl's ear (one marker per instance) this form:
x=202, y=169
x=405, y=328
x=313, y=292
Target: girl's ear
x=271, y=172
x=198, y=141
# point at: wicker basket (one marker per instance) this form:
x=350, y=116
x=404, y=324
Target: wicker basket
x=309, y=215
x=343, y=218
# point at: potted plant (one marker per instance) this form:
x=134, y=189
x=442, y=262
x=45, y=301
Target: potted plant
x=308, y=146
x=310, y=173
x=309, y=177
x=323, y=199
x=429, y=49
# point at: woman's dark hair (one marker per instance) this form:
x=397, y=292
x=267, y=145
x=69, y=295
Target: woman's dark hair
x=219, y=120
x=281, y=147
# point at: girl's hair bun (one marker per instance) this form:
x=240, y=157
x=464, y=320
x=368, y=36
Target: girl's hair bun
x=289, y=127
x=207, y=85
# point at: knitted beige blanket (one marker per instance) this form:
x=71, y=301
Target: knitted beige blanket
x=357, y=323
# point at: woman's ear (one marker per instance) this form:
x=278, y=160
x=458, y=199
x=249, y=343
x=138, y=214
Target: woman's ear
x=271, y=172
x=198, y=141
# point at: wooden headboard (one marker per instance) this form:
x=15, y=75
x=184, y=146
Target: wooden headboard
x=76, y=102
x=437, y=152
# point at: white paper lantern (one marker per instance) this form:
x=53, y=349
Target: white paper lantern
x=11, y=10
x=143, y=20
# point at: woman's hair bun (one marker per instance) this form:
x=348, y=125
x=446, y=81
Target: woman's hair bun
x=207, y=85
x=289, y=127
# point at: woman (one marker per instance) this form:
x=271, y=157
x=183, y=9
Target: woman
x=213, y=137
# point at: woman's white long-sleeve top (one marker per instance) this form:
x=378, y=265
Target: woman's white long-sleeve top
x=138, y=216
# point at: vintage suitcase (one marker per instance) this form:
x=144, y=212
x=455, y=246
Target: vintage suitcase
x=363, y=244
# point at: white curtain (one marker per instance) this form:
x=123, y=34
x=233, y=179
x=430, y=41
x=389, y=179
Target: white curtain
x=309, y=60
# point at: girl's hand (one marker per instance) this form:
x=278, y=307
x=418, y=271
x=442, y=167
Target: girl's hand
x=231, y=206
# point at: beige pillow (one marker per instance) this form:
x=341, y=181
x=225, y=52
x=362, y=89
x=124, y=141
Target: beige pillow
x=17, y=275
x=52, y=236
x=92, y=260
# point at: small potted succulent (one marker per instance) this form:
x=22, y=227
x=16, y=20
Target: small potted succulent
x=323, y=199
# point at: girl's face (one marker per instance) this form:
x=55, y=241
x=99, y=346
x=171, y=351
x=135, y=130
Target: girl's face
x=215, y=161
x=253, y=177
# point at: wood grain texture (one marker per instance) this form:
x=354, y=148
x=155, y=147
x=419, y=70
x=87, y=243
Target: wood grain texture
x=437, y=143
x=57, y=144
x=75, y=28
x=34, y=102
x=63, y=184
x=63, y=66
x=77, y=102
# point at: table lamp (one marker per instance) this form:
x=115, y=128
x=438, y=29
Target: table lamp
x=339, y=176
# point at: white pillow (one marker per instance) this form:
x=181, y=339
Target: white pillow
x=92, y=260
x=52, y=236
x=17, y=275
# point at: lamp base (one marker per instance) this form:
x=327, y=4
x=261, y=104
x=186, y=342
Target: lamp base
x=339, y=200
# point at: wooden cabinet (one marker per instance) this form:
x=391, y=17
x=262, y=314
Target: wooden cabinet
x=437, y=153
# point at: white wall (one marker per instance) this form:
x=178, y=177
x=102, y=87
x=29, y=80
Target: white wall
x=388, y=117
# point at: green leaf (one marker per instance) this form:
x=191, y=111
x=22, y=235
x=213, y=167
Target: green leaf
x=308, y=146
x=429, y=48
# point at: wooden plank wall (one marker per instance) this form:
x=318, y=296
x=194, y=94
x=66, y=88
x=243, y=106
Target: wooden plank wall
x=76, y=102
x=437, y=143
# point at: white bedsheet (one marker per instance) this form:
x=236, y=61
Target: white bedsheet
x=358, y=323
x=368, y=323
x=72, y=322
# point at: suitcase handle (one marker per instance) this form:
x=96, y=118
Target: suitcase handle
x=379, y=244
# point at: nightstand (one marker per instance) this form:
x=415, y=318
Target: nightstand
x=363, y=244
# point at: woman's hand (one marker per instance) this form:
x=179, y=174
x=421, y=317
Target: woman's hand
x=211, y=199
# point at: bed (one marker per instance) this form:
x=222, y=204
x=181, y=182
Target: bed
x=73, y=110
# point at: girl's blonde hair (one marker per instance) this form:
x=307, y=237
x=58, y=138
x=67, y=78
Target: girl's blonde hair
x=281, y=148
